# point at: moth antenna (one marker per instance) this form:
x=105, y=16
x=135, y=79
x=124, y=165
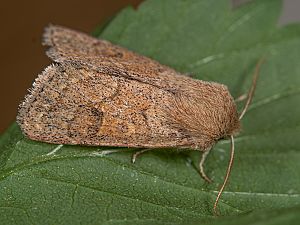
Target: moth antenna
x=227, y=175
x=253, y=86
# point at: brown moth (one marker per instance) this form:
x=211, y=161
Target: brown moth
x=100, y=94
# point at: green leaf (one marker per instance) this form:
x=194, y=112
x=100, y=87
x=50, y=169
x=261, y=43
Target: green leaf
x=48, y=184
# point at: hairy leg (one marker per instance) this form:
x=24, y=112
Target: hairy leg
x=138, y=153
x=201, y=166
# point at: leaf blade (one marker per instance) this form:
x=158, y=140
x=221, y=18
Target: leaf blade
x=164, y=187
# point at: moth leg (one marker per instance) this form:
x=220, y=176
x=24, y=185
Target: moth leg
x=201, y=168
x=241, y=98
x=136, y=154
x=108, y=152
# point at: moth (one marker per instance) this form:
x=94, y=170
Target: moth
x=99, y=94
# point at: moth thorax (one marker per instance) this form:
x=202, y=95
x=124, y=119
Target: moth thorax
x=207, y=114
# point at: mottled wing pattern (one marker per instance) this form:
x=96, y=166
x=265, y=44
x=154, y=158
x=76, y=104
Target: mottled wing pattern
x=70, y=105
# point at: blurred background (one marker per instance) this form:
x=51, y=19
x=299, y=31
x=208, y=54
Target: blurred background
x=22, y=57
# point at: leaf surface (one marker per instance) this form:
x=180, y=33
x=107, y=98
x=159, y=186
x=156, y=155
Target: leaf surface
x=53, y=184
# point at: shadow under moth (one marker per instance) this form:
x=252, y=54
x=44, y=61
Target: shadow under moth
x=100, y=94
